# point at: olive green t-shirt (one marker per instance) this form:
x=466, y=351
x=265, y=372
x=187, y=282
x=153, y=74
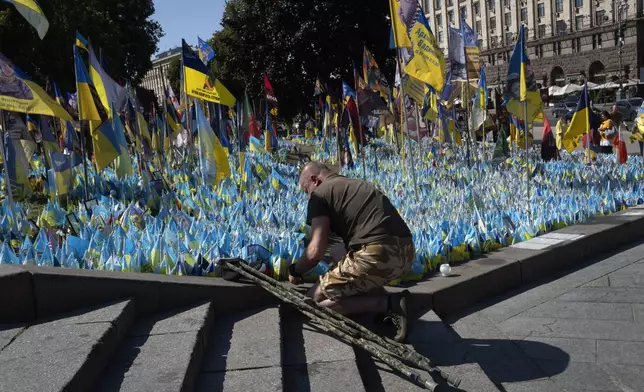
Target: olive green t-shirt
x=358, y=211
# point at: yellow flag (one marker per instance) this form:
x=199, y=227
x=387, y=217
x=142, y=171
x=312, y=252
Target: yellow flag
x=427, y=63
x=31, y=11
x=401, y=11
x=19, y=94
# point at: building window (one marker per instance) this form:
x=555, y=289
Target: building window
x=437, y=4
x=524, y=14
x=579, y=22
x=508, y=19
x=579, y=3
x=493, y=23
x=477, y=8
x=542, y=31
x=599, y=40
x=539, y=51
x=478, y=27
x=480, y=43
x=506, y=3
x=541, y=10
x=440, y=36
x=558, y=5
x=491, y=5
x=561, y=27
x=558, y=44
x=599, y=17
x=450, y=3
x=463, y=12
x=450, y=17
x=439, y=19
x=594, y=42
x=508, y=38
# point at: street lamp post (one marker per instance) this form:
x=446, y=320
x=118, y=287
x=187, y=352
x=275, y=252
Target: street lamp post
x=620, y=6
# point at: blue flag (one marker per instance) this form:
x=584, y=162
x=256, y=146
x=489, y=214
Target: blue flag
x=206, y=52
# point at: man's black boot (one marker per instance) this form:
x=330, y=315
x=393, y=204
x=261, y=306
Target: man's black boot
x=397, y=313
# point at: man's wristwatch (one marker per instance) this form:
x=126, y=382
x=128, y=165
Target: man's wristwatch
x=293, y=273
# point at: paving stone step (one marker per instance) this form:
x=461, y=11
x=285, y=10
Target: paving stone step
x=244, y=354
x=65, y=353
x=161, y=353
x=431, y=337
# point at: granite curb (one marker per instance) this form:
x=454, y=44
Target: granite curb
x=38, y=292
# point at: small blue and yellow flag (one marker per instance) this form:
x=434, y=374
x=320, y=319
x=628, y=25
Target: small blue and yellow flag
x=580, y=123
x=521, y=86
x=17, y=172
x=61, y=167
x=81, y=42
x=30, y=10
x=214, y=160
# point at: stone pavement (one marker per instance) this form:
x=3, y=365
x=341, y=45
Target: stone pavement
x=582, y=331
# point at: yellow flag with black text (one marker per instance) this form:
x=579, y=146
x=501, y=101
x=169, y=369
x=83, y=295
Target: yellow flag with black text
x=19, y=94
x=427, y=62
x=197, y=83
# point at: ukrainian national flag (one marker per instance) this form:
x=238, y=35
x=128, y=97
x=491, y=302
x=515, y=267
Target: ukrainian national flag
x=70, y=138
x=81, y=42
x=580, y=123
x=62, y=168
x=521, y=87
x=106, y=148
x=427, y=63
x=31, y=11
x=347, y=92
x=108, y=90
x=123, y=162
x=171, y=118
x=269, y=135
x=49, y=141
x=478, y=114
x=18, y=174
x=213, y=156
x=197, y=83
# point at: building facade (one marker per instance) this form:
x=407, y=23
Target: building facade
x=567, y=40
x=156, y=78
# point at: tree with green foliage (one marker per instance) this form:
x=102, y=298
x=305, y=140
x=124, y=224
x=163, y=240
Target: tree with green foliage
x=122, y=29
x=296, y=41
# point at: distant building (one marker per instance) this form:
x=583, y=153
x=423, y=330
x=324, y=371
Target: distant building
x=157, y=78
x=567, y=40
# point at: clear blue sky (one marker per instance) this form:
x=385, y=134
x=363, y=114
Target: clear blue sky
x=187, y=19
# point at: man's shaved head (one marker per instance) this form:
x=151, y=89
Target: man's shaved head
x=312, y=175
x=314, y=168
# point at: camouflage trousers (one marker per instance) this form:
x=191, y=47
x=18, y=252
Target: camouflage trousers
x=369, y=268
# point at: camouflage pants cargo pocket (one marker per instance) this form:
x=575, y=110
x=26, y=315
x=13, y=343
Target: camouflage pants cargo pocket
x=369, y=268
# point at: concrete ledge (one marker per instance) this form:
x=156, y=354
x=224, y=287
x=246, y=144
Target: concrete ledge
x=17, y=304
x=56, y=290
x=495, y=273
